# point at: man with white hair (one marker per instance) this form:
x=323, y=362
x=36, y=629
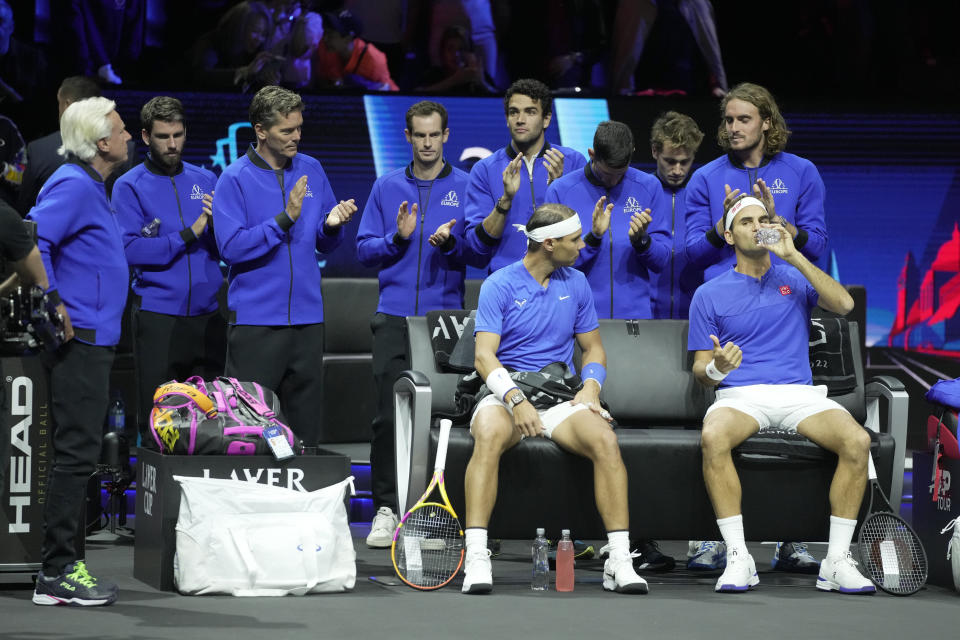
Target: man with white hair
x=82, y=250
x=760, y=313
x=529, y=314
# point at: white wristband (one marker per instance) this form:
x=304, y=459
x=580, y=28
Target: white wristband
x=713, y=373
x=499, y=382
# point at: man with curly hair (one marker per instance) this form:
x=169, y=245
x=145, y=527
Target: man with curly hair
x=754, y=134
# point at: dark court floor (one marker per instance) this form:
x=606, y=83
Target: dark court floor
x=681, y=604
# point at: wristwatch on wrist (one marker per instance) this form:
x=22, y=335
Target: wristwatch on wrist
x=500, y=208
x=516, y=397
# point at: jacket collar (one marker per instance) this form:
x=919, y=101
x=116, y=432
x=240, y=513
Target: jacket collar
x=260, y=163
x=89, y=170
x=447, y=170
x=735, y=161
x=512, y=153
x=156, y=168
x=670, y=186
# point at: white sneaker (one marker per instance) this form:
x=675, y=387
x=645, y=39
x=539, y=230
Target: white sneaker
x=740, y=574
x=619, y=575
x=477, y=572
x=382, y=528
x=841, y=574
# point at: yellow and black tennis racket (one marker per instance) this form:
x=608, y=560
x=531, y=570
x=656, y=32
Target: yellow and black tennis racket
x=428, y=543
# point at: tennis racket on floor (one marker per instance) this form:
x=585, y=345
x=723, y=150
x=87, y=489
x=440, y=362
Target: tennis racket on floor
x=428, y=543
x=890, y=550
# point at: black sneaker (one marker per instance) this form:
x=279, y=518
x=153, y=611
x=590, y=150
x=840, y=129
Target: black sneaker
x=651, y=558
x=74, y=587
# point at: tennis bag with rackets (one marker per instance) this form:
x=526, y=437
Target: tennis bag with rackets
x=218, y=417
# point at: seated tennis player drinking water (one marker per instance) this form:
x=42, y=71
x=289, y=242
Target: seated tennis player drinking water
x=750, y=330
x=529, y=314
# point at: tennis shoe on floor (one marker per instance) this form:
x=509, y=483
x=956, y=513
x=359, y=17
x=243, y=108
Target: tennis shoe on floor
x=382, y=528
x=841, y=574
x=706, y=555
x=620, y=576
x=794, y=557
x=740, y=574
x=76, y=587
x=477, y=572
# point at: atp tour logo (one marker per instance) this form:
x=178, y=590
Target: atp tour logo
x=944, y=494
x=778, y=187
x=632, y=206
x=196, y=193
x=450, y=200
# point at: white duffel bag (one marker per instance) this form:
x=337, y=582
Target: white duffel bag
x=248, y=539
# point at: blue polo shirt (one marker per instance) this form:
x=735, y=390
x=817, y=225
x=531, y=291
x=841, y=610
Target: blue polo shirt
x=769, y=319
x=536, y=325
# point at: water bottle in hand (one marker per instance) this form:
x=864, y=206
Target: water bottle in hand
x=767, y=236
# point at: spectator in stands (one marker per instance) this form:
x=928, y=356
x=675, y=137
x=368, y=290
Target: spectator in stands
x=754, y=134
x=276, y=309
x=13, y=155
x=301, y=48
x=42, y=156
x=760, y=313
x=506, y=186
x=235, y=53
x=420, y=271
x=23, y=67
x=631, y=30
x=107, y=32
x=460, y=69
x=82, y=251
x=164, y=207
x=557, y=311
x=674, y=140
x=343, y=59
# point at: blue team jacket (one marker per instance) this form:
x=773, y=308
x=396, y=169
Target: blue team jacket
x=673, y=287
x=174, y=272
x=274, y=274
x=798, y=195
x=618, y=271
x=415, y=277
x=486, y=187
x=79, y=239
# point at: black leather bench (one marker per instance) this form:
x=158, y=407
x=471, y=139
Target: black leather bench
x=659, y=405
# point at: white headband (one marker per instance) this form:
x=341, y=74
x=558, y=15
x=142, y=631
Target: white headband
x=556, y=230
x=742, y=203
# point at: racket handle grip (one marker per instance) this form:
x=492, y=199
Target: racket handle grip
x=442, y=441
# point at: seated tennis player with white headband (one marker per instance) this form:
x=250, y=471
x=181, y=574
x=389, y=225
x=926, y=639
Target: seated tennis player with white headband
x=761, y=315
x=529, y=314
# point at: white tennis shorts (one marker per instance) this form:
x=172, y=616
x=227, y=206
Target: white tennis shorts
x=549, y=417
x=782, y=406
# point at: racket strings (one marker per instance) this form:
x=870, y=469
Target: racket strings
x=429, y=547
x=892, y=555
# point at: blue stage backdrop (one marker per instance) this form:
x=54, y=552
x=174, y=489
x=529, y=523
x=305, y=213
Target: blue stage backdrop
x=893, y=183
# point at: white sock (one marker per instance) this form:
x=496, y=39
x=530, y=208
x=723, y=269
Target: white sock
x=476, y=538
x=732, y=531
x=841, y=535
x=619, y=541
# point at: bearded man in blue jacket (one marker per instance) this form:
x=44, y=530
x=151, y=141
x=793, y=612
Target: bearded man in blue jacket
x=164, y=208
